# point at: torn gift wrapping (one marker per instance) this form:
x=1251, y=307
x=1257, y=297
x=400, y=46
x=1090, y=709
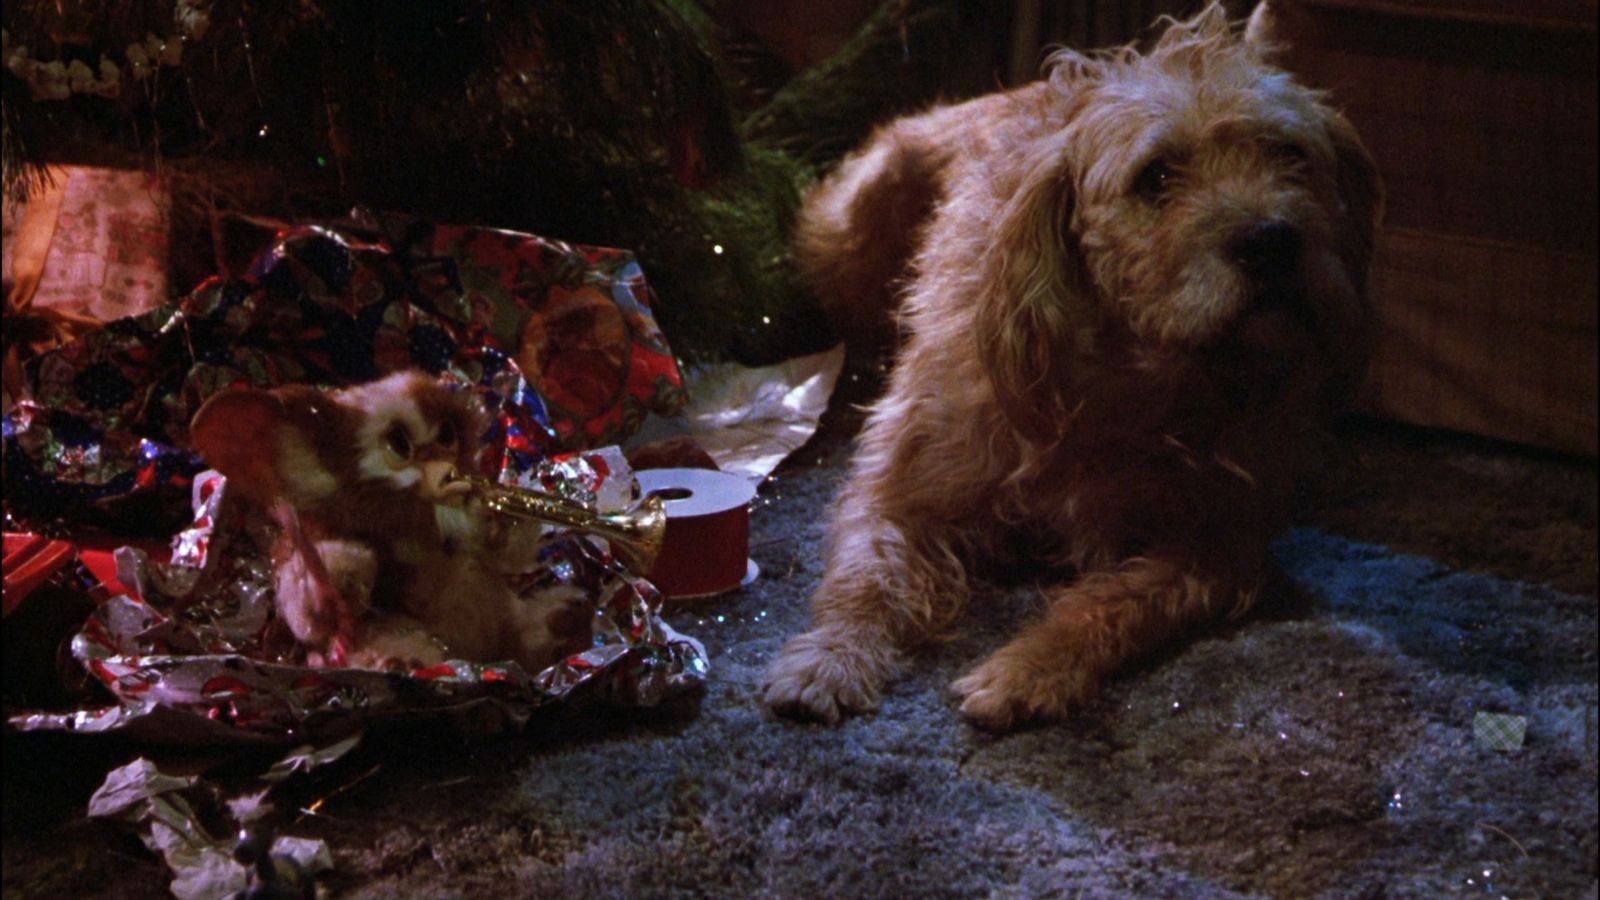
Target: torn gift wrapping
x=748, y=420
x=97, y=436
x=577, y=319
x=171, y=815
x=1499, y=731
x=163, y=808
x=194, y=657
x=589, y=478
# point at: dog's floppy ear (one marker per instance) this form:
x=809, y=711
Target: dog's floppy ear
x=1210, y=24
x=1026, y=318
x=1360, y=195
x=1269, y=33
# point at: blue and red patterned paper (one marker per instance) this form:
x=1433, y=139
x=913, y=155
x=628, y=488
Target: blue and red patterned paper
x=557, y=340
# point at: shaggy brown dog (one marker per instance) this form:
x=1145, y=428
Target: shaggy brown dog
x=1130, y=294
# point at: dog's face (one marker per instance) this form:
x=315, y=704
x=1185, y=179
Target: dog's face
x=1202, y=200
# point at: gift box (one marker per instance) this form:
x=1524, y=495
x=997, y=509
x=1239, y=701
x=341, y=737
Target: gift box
x=31, y=560
x=51, y=586
x=91, y=243
x=88, y=246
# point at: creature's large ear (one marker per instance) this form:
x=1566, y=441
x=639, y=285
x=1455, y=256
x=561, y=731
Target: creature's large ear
x=264, y=442
x=1030, y=307
x=237, y=432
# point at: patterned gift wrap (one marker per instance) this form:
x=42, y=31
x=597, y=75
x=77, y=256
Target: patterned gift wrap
x=577, y=317
x=1499, y=731
x=106, y=244
x=193, y=658
x=556, y=340
x=193, y=653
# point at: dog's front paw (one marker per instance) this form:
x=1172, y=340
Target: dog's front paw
x=1009, y=689
x=823, y=676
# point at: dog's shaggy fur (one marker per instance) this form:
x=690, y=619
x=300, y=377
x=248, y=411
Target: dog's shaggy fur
x=1130, y=293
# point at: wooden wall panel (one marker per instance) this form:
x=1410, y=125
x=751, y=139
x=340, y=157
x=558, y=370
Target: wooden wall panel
x=1482, y=118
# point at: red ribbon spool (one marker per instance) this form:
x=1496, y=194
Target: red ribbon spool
x=707, y=546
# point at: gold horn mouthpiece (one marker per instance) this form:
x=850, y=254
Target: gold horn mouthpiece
x=635, y=534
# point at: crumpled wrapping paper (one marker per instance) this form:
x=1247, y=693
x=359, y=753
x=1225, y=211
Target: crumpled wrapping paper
x=557, y=341
x=192, y=658
x=748, y=419
x=157, y=805
x=166, y=811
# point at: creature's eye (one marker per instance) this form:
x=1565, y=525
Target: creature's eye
x=1154, y=181
x=398, y=440
x=447, y=434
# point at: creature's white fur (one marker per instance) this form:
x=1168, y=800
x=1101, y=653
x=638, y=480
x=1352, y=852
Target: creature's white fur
x=388, y=401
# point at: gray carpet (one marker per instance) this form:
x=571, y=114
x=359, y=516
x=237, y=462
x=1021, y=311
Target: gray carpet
x=1321, y=747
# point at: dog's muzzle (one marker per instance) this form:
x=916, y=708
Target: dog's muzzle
x=1267, y=251
x=1277, y=319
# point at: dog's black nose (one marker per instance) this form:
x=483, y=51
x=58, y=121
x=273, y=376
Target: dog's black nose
x=1266, y=248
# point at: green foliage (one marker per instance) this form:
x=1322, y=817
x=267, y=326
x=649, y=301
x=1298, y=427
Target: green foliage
x=593, y=121
x=899, y=58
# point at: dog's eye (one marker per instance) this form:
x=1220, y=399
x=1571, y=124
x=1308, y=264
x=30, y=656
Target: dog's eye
x=1154, y=180
x=1288, y=153
x=447, y=434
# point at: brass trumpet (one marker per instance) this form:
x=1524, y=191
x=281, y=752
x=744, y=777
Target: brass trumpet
x=635, y=534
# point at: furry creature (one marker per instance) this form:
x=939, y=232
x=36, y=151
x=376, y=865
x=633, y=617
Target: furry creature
x=384, y=558
x=1129, y=294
